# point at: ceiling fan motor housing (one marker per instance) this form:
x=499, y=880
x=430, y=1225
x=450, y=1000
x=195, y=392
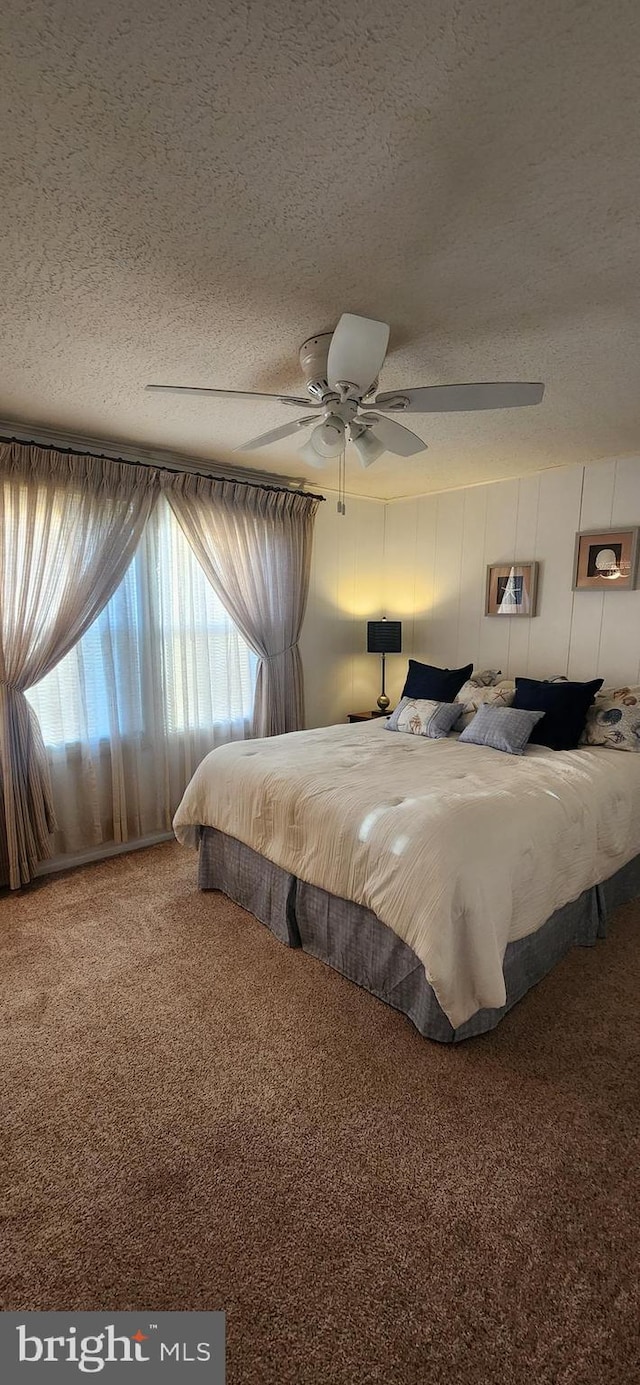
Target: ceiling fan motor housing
x=313, y=356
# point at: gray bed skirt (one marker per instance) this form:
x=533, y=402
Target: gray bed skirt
x=351, y=939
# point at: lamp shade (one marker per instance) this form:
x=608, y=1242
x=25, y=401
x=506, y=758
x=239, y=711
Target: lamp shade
x=384, y=637
x=367, y=447
x=327, y=440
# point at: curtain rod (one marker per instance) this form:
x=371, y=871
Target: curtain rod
x=159, y=466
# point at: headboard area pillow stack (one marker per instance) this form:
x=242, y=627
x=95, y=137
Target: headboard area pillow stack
x=570, y=714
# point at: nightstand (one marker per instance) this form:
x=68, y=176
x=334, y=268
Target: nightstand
x=367, y=716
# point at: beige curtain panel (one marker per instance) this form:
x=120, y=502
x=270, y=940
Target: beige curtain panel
x=69, y=526
x=254, y=545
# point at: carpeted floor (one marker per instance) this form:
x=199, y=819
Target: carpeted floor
x=195, y=1117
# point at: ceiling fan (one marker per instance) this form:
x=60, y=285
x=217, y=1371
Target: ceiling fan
x=341, y=371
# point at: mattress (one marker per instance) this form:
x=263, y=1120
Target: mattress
x=458, y=849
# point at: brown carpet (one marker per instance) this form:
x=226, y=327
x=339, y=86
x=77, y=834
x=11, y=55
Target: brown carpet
x=196, y=1117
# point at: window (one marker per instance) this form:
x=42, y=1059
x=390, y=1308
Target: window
x=164, y=634
x=160, y=678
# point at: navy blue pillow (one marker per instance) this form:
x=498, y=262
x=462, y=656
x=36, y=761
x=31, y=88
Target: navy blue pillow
x=434, y=684
x=565, y=707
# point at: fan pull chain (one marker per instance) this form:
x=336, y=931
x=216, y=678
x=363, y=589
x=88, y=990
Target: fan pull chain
x=342, y=509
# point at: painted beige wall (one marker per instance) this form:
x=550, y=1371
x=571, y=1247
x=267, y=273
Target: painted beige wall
x=437, y=549
x=345, y=590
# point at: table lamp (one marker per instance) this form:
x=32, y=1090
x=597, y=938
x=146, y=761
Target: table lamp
x=384, y=637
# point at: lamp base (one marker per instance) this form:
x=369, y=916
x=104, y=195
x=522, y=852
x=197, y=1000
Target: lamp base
x=383, y=702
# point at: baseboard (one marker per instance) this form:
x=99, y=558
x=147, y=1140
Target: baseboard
x=99, y=853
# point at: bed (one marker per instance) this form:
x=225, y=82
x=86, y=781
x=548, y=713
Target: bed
x=446, y=878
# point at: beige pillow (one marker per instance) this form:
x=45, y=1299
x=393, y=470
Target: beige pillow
x=485, y=678
x=613, y=720
x=472, y=697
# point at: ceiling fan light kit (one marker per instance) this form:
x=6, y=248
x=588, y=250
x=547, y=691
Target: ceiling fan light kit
x=309, y=455
x=368, y=447
x=327, y=440
x=341, y=370
x=329, y=436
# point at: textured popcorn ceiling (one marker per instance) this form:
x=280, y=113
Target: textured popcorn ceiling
x=189, y=189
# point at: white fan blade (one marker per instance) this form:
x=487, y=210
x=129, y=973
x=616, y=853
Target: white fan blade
x=275, y=435
x=235, y=394
x=445, y=399
x=396, y=438
x=356, y=353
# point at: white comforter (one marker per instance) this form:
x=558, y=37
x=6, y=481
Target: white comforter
x=458, y=848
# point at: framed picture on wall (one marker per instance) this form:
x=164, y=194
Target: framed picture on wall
x=606, y=560
x=511, y=589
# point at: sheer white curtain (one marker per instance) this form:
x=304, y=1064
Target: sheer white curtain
x=69, y=526
x=255, y=546
x=161, y=677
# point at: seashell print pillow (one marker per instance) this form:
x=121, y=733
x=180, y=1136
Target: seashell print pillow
x=422, y=717
x=613, y=720
x=473, y=697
